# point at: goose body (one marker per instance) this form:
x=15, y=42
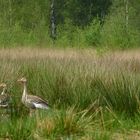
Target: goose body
x=4, y=98
x=34, y=102
x=31, y=101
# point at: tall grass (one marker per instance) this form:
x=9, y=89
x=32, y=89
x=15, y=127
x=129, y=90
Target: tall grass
x=87, y=92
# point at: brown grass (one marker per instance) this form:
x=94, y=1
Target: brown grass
x=87, y=59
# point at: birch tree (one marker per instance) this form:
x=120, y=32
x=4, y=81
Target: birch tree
x=53, y=20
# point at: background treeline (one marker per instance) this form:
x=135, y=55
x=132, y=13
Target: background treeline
x=77, y=23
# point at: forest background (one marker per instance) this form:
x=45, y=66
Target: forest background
x=62, y=23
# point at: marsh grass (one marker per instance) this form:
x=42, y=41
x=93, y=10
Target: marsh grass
x=91, y=95
x=65, y=123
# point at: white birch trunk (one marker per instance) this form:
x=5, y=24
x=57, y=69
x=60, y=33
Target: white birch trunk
x=52, y=18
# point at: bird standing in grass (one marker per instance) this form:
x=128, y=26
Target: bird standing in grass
x=4, y=98
x=31, y=101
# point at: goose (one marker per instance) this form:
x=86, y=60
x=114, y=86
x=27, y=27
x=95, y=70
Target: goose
x=4, y=98
x=30, y=101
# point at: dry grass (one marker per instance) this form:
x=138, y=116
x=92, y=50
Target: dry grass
x=83, y=55
x=58, y=52
x=88, y=59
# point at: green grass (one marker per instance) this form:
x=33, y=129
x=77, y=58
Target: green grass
x=91, y=96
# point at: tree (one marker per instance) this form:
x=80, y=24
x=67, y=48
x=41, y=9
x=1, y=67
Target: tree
x=53, y=20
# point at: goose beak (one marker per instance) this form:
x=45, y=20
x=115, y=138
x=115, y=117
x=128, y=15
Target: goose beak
x=19, y=81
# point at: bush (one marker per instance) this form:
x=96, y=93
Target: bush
x=92, y=33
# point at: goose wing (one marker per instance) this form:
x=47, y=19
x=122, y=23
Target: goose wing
x=38, y=102
x=4, y=99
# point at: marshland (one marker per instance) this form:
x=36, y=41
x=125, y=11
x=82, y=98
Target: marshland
x=92, y=95
x=80, y=58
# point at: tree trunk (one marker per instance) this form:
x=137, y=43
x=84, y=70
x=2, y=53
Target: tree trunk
x=52, y=19
x=126, y=13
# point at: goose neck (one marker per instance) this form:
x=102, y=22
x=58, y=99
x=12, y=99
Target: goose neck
x=3, y=92
x=25, y=90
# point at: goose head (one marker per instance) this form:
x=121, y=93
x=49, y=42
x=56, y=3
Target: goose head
x=22, y=80
x=3, y=85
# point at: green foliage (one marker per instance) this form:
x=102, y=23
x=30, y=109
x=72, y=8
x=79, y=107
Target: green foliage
x=115, y=34
x=18, y=37
x=27, y=23
x=92, y=33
